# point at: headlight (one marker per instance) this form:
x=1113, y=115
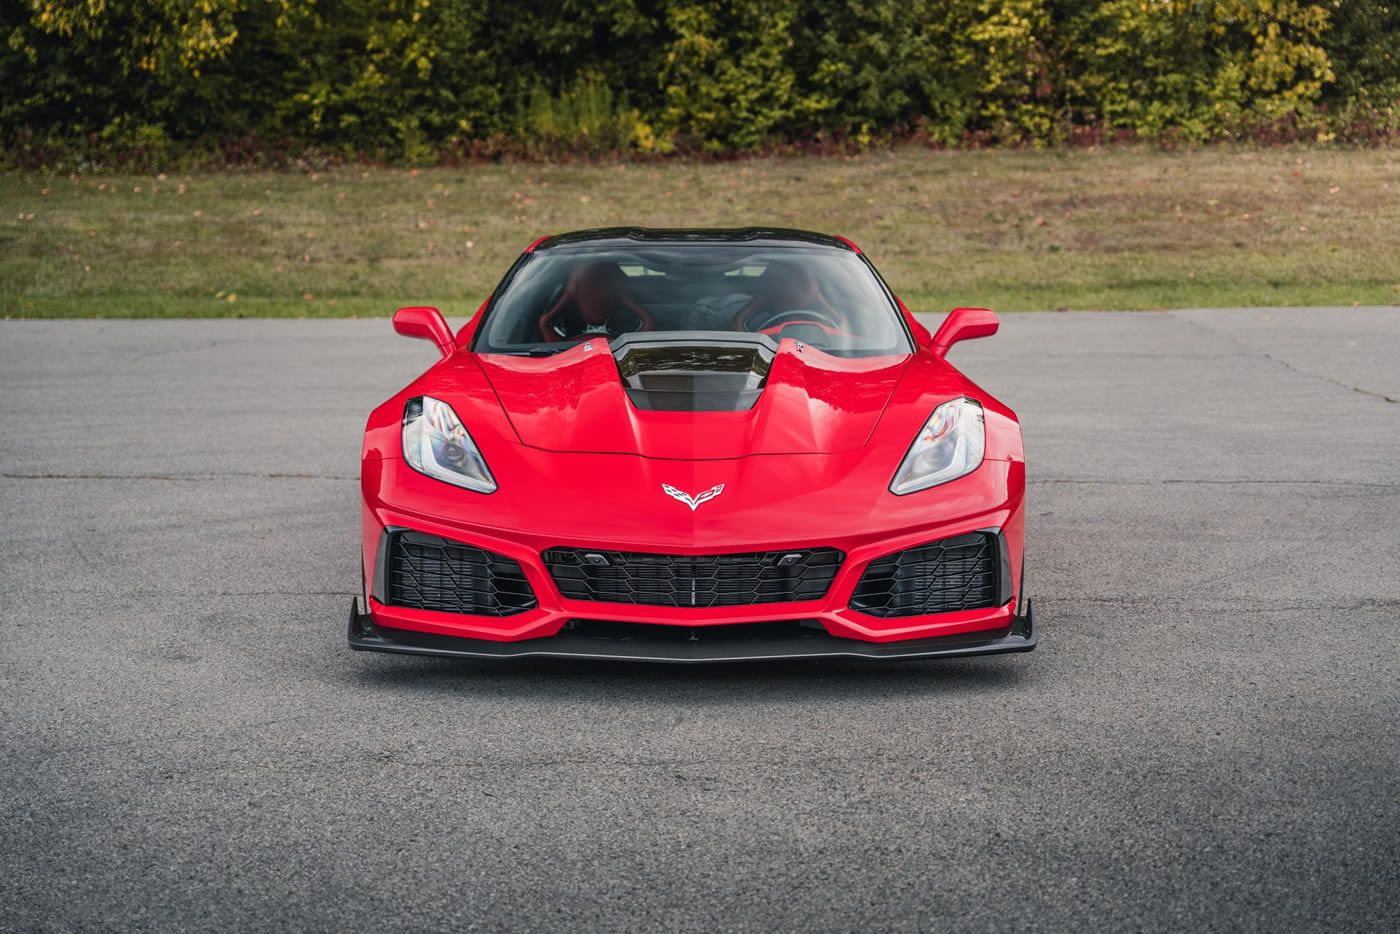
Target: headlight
x=435, y=443
x=950, y=445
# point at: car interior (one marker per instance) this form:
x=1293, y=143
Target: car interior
x=829, y=300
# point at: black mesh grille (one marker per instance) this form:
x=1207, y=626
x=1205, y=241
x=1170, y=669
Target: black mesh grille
x=425, y=572
x=693, y=580
x=940, y=577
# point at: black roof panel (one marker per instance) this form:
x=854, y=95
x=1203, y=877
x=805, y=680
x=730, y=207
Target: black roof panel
x=624, y=236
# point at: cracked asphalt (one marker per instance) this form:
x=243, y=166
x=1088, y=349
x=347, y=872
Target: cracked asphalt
x=1208, y=737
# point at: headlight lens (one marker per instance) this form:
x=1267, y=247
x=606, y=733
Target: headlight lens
x=950, y=445
x=437, y=444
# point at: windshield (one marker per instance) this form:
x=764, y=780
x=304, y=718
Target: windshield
x=827, y=297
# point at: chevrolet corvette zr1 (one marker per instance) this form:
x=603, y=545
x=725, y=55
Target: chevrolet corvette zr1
x=693, y=445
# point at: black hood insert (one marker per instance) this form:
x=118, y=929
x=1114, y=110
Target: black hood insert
x=694, y=371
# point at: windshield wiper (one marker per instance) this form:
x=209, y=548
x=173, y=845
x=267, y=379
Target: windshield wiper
x=533, y=352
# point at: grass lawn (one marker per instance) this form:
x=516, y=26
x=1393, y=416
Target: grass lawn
x=1083, y=229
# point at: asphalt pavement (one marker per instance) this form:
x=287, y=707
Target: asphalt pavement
x=1208, y=737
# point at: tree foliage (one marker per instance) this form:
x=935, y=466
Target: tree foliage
x=414, y=79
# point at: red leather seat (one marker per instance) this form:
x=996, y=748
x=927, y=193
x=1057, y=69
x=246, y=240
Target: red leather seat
x=784, y=287
x=596, y=290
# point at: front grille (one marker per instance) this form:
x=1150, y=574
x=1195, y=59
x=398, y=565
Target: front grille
x=693, y=580
x=424, y=572
x=941, y=577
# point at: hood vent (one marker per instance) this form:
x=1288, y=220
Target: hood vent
x=700, y=371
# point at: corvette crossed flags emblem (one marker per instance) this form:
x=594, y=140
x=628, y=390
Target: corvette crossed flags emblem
x=693, y=501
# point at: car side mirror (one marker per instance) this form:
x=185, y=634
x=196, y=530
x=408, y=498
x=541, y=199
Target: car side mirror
x=427, y=323
x=963, y=324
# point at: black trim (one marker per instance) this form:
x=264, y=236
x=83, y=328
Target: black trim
x=381, y=561
x=950, y=574
x=428, y=572
x=1004, y=581
x=729, y=646
x=715, y=580
x=606, y=237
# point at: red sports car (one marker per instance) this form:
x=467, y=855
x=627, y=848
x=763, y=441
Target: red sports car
x=693, y=445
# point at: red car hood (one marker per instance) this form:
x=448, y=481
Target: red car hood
x=812, y=403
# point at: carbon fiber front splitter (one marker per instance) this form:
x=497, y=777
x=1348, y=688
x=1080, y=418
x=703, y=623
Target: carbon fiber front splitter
x=651, y=643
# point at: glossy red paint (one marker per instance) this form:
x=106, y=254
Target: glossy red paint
x=922, y=337
x=814, y=403
x=468, y=330
x=577, y=465
x=426, y=323
x=963, y=324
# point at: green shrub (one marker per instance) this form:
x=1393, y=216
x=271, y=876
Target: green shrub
x=138, y=81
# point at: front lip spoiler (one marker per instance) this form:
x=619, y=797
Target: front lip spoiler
x=366, y=636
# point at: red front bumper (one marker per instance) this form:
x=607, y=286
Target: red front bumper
x=996, y=487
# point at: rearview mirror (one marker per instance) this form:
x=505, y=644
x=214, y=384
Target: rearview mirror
x=963, y=324
x=427, y=323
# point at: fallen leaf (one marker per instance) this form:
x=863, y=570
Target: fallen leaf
x=232, y=297
x=584, y=199
x=257, y=212
x=1334, y=189
x=136, y=189
x=310, y=235
x=308, y=296
x=179, y=243
x=198, y=213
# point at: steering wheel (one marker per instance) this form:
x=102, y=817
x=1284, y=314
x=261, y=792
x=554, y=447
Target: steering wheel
x=774, y=323
x=556, y=330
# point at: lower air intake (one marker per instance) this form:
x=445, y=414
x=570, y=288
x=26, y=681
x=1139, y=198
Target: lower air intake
x=693, y=580
x=424, y=572
x=963, y=573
